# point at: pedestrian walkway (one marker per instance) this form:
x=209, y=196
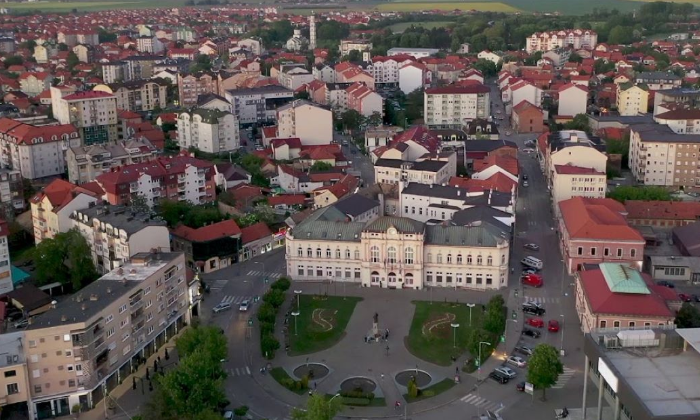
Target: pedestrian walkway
x=264, y=274
x=218, y=285
x=482, y=403
x=564, y=378
x=242, y=371
x=542, y=300
x=234, y=300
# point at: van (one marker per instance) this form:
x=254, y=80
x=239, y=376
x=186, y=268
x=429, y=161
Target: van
x=531, y=261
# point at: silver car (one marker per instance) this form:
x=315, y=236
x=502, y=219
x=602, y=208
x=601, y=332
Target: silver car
x=506, y=371
x=221, y=307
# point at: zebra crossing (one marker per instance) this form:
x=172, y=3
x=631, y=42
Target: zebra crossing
x=235, y=300
x=564, y=378
x=541, y=300
x=218, y=285
x=243, y=371
x=264, y=274
x=482, y=403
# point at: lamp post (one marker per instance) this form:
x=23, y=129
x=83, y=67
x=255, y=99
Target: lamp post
x=329, y=403
x=298, y=293
x=295, y=314
x=478, y=373
x=561, y=331
x=470, y=306
x=454, y=334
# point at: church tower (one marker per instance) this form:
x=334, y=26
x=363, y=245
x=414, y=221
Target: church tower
x=312, y=31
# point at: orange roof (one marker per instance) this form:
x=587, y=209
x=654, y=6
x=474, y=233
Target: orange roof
x=255, y=232
x=596, y=218
x=576, y=170
x=669, y=210
x=506, y=163
x=214, y=231
x=497, y=182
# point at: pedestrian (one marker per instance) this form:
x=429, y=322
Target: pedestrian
x=314, y=385
x=456, y=370
x=158, y=359
x=397, y=404
x=382, y=376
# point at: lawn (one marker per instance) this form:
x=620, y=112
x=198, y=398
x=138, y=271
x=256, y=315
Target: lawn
x=419, y=6
x=431, y=391
x=400, y=27
x=280, y=375
x=431, y=335
x=321, y=323
x=85, y=6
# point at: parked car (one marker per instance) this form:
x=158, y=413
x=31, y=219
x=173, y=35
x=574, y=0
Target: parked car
x=532, y=280
x=666, y=283
x=499, y=377
x=228, y=415
x=506, y=371
x=516, y=361
x=243, y=307
x=533, y=247
x=685, y=298
x=529, y=270
x=525, y=184
x=525, y=178
x=520, y=386
x=22, y=324
x=535, y=322
x=533, y=311
x=221, y=307
x=523, y=350
x=531, y=333
x=553, y=325
x=696, y=298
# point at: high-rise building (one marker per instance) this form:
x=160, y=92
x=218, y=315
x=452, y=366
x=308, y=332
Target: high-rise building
x=312, y=31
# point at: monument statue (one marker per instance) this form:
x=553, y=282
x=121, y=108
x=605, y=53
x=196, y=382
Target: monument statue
x=375, y=325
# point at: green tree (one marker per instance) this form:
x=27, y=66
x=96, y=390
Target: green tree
x=544, y=368
x=412, y=388
x=688, y=316
x=495, y=317
x=649, y=193
x=351, y=119
x=274, y=297
x=318, y=408
x=201, y=63
x=266, y=313
x=105, y=36
x=476, y=336
x=580, y=122
x=620, y=35
x=65, y=259
x=13, y=60
x=487, y=67
x=72, y=60
x=320, y=166
x=207, y=338
x=139, y=204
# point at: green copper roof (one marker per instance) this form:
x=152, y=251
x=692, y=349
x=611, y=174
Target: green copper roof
x=623, y=279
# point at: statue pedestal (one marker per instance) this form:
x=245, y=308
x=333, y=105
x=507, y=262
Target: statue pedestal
x=375, y=330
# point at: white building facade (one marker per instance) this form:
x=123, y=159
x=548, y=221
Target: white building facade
x=209, y=130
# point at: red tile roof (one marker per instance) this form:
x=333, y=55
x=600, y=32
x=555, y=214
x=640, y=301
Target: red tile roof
x=596, y=218
x=497, y=182
x=576, y=170
x=603, y=301
x=255, y=232
x=506, y=163
x=288, y=199
x=92, y=94
x=454, y=89
x=214, y=231
x=669, y=210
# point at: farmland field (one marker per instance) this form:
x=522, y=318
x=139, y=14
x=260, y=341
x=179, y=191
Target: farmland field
x=51, y=6
x=418, y=6
x=400, y=27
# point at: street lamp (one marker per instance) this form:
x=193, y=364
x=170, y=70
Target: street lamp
x=470, y=306
x=298, y=293
x=561, y=331
x=329, y=401
x=478, y=373
x=295, y=314
x=454, y=334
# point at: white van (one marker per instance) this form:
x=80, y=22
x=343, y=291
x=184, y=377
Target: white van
x=532, y=262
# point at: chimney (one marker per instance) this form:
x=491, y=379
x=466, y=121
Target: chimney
x=109, y=290
x=574, y=138
x=64, y=318
x=93, y=297
x=459, y=193
x=83, y=306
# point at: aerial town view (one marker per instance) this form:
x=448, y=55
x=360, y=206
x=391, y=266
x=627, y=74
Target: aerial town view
x=349, y=209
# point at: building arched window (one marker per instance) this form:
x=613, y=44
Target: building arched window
x=469, y=259
x=459, y=259
x=347, y=254
x=337, y=253
x=479, y=260
x=408, y=255
x=430, y=258
x=449, y=258
x=439, y=258
x=309, y=252
x=357, y=254
x=375, y=277
x=328, y=253
x=318, y=252
x=300, y=252
x=391, y=255
x=489, y=260
x=503, y=259
x=374, y=254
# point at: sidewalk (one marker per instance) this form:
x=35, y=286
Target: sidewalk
x=127, y=401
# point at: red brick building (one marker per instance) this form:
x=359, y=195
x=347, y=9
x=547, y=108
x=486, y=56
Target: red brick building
x=527, y=118
x=662, y=213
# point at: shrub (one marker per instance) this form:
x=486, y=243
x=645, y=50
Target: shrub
x=305, y=381
x=361, y=402
x=283, y=284
x=267, y=313
x=287, y=383
x=241, y=411
x=274, y=297
x=412, y=388
x=428, y=393
x=267, y=328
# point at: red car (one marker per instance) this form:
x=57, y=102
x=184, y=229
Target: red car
x=553, y=325
x=533, y=280
x=685, y=298
x=535, y=322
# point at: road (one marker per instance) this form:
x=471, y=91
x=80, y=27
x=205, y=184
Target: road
x=360, y=163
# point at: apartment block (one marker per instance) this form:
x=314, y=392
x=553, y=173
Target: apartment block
x=114, y=71
x=53, y=206
x=36, y=151
x=11, y=191
x=546, y=41
x=181, y=177
x=208, y=130
x=116, y=233
x=14, y=377
x=85, y=163
x=192, y=85
x=360, y=45
x=258, y=105
x=93, y=113
x=89, y=343
x=658, y=156
x=632, y=99
x=6, y=285
x=454, y=106
x=302, y=119
x=137, y=95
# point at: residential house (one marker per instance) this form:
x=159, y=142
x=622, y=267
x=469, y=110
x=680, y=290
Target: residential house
x=632, y=99
x=573, y=100
x=209, y=248
x=527, y=118
x=306, y=121
x=662, y=213
x=85, y=163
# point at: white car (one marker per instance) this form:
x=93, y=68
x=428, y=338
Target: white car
x=243, y=307
x=516, y=361
x=506, y=371
x=228, y=415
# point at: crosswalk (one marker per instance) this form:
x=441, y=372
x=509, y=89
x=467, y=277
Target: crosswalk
x=218, y=285
x=242, y=371
x=541, y=300
x=236, y=299
x=265, y=274
x=482, y=403
x=564, y=378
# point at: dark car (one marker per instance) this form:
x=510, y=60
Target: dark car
x=498, y=377
x=525, y=177
x=523, y=350
x=520, y=386
x=531, y=333
x=533, y=310
x=666, y=284
x=696, y=298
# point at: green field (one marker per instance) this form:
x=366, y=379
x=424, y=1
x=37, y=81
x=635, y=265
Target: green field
x=419, y=6
x=321, y=323
x=50, y=6
x=400, y=27
x=431, y=336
